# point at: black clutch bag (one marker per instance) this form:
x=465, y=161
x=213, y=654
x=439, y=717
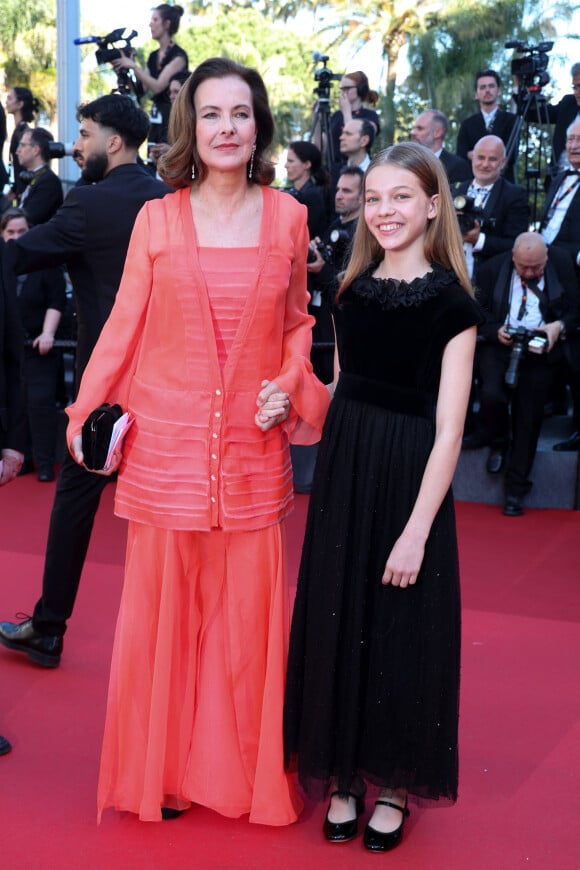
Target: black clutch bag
x=97, y=431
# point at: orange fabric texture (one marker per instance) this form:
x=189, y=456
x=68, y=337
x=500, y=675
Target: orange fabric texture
x=194, y=712
x=194, y=458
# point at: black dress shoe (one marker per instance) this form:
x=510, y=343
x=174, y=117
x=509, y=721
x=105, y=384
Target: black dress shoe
x=26, y=468
x=513, y=506
x=4, y=746
x=42, y=649
x=45, y=473
x=342, y=832
x=377, y=841
x=495, y=461
x=570, y=444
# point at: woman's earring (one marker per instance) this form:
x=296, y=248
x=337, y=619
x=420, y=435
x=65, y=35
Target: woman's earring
x=192, y=171
x=251, y=167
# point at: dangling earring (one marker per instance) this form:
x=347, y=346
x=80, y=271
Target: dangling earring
x=192, y=171
x=251, y=167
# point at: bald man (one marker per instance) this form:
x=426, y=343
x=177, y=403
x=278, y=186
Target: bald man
x=505, y=208
x=534, y=291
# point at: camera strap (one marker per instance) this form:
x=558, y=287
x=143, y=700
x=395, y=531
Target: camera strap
x=559, y=198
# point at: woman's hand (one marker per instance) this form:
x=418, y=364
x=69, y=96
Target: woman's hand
x=44, y=343
x=405, y=560
x=123, y=63
x=10, y=465
x=273, y=405
x=77, y=454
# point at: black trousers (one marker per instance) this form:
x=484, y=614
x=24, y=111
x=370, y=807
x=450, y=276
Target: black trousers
x=526, y=402
x=41, y=387
x=77, y=497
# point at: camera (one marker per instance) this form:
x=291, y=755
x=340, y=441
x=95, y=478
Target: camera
x=323, y=249
x=531, y=67
x=107, y=52
x=323, y=76
x=467, y=213
x=60, y=149
x=522, y=339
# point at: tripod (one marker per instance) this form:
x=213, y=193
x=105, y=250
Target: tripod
x=532, y=108
x=320, y=131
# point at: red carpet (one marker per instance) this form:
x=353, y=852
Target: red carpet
x=519, y=799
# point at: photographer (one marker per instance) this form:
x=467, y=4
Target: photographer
x=525, y=294
x=504, y=211
x=42, y=196
x=162, y=65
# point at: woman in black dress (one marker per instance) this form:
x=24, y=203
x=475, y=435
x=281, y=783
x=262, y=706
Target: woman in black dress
x=162, y=65
x=373, y=678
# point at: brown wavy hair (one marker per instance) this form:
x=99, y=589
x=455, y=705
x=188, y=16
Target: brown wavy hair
x=443, y=243
x=362, y=86
x=176, y=165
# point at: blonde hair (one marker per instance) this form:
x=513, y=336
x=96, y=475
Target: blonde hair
x=443, y=243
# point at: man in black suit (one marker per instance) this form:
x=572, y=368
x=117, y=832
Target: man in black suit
x=530, y=290
x=560, y=227
x=90, y=233
x=12, y=420
x=42, y=196
x=489, y=119
x=505, y=211
x=430, y=129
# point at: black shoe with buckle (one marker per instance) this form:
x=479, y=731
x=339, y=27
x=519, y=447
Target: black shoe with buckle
x=379, y=841
x=342, y=832
x=44, y=650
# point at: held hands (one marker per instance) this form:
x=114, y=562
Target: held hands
x=273, y=405
x=405, y=560
x=77, y=452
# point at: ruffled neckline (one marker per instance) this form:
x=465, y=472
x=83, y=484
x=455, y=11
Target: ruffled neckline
x=392, y=293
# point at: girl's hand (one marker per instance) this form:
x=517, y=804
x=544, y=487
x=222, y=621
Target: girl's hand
x=273, y=405
x=405, y=560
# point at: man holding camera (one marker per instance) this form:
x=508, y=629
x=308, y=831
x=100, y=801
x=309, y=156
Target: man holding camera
x=531, y=302
x=502, y=210
x=90, y=233
x=42, y=196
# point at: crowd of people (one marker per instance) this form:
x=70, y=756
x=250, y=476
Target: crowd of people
x=199, y=290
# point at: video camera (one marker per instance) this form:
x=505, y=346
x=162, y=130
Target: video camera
x=107, y=51
x=523, y=339
x=323, y=76
x=531, y=67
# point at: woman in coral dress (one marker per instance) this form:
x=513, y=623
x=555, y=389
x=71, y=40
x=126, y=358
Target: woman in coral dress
x=208, y=348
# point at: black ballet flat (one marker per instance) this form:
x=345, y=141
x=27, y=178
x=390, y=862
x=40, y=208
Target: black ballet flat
x=342, y=832
x=377, y=841
x=169, y=813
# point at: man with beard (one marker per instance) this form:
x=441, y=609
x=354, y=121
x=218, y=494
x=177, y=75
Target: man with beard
x=90, y=234
x=430, y=129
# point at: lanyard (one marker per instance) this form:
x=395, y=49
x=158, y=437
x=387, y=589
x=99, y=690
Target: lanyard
x=558, y=199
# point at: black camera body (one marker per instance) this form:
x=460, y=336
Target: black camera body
x=523, y=340
x=323, y=249
x=60, y=149
x=323, y=76
x=531, y=67
x=467, y=213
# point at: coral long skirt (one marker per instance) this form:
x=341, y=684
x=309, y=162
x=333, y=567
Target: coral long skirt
x=194, y=711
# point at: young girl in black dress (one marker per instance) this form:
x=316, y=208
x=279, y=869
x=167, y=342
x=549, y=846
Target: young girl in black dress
x=373, y=679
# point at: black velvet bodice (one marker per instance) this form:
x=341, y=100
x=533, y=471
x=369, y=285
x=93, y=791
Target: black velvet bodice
x=395, y=332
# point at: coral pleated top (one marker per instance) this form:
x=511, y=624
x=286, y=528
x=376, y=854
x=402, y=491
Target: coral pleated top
x=194, y=458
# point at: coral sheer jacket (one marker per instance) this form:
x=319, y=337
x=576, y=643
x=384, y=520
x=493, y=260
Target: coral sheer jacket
x=194, y=458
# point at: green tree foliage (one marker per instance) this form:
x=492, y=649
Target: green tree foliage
x=28, y=48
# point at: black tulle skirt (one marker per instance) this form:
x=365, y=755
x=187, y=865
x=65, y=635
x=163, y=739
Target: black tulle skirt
x=373, y=678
